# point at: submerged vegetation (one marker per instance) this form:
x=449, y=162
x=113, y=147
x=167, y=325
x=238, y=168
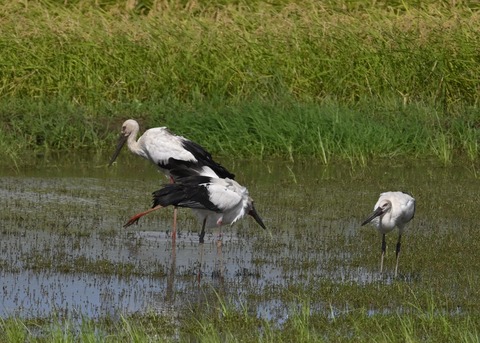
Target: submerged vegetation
x=312, y=276
x=349, y=80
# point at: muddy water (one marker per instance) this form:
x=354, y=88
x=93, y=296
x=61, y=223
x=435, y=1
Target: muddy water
x=63, y=250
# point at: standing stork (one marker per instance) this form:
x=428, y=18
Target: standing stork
x=393, y=209
x=216, y=201
x=167, y=151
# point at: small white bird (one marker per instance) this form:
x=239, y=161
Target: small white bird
x=168, y=151
x=216, y=201
x=393, y=209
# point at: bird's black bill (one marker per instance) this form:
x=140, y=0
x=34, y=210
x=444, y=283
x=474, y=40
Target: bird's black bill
x=121, y=141
x=257, y=218
x=378, y=212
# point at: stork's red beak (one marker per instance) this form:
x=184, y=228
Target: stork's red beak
x=121, y=141
x=257, y=218
x=378, y=212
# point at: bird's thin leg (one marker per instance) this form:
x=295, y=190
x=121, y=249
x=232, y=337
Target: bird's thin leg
x=202, y=233
x=397, y=253
x=174, y=229
x=199, y=275
x=384, y=248
x=220, y=239
x=219, y=254
x=169, y=294
x=136, y=217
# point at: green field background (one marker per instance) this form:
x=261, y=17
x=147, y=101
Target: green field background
x=331, y=80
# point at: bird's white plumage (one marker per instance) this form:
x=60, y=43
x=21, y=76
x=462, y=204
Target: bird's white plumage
x=226, y=193
x=401, y=212
x=168, y=151
x=216, y=201
x=171, y=152
x=393, y=209
x=230, y=197
x=207, y=171
x=159, y=145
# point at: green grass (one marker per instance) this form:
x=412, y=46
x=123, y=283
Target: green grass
x=350, y=81
x=426, y=319
x=329, y=132
x=235, y=51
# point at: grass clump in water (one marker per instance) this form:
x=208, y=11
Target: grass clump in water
x=222, y=321
x=305, y=321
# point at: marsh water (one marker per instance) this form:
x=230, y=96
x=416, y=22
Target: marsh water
x=64, y=250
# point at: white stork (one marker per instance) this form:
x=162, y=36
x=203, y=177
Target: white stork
x=393, y=209
x=216, y=201
x=167, y=151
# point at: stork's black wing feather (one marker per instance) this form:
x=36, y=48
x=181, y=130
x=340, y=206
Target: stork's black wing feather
x=204, y=158
x=191, y=192
x=173, y=163
x=181, y=173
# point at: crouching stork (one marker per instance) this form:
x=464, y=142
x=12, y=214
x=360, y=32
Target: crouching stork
x=217, y=201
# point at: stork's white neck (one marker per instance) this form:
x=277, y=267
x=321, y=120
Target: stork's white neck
x=134, y=145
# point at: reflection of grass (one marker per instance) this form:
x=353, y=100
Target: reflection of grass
x=321, y=80
x=64, y=264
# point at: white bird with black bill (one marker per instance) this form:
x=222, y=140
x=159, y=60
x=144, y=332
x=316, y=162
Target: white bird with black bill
x=393, y=209
x=167, y=151
x=216, y=201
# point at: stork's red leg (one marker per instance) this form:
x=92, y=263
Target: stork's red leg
x=136, y=217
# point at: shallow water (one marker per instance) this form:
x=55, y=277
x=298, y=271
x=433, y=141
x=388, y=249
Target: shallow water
x=64, y=250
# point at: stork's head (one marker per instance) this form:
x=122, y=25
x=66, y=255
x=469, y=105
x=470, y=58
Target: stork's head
x=383, y=207
x=129, y=127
